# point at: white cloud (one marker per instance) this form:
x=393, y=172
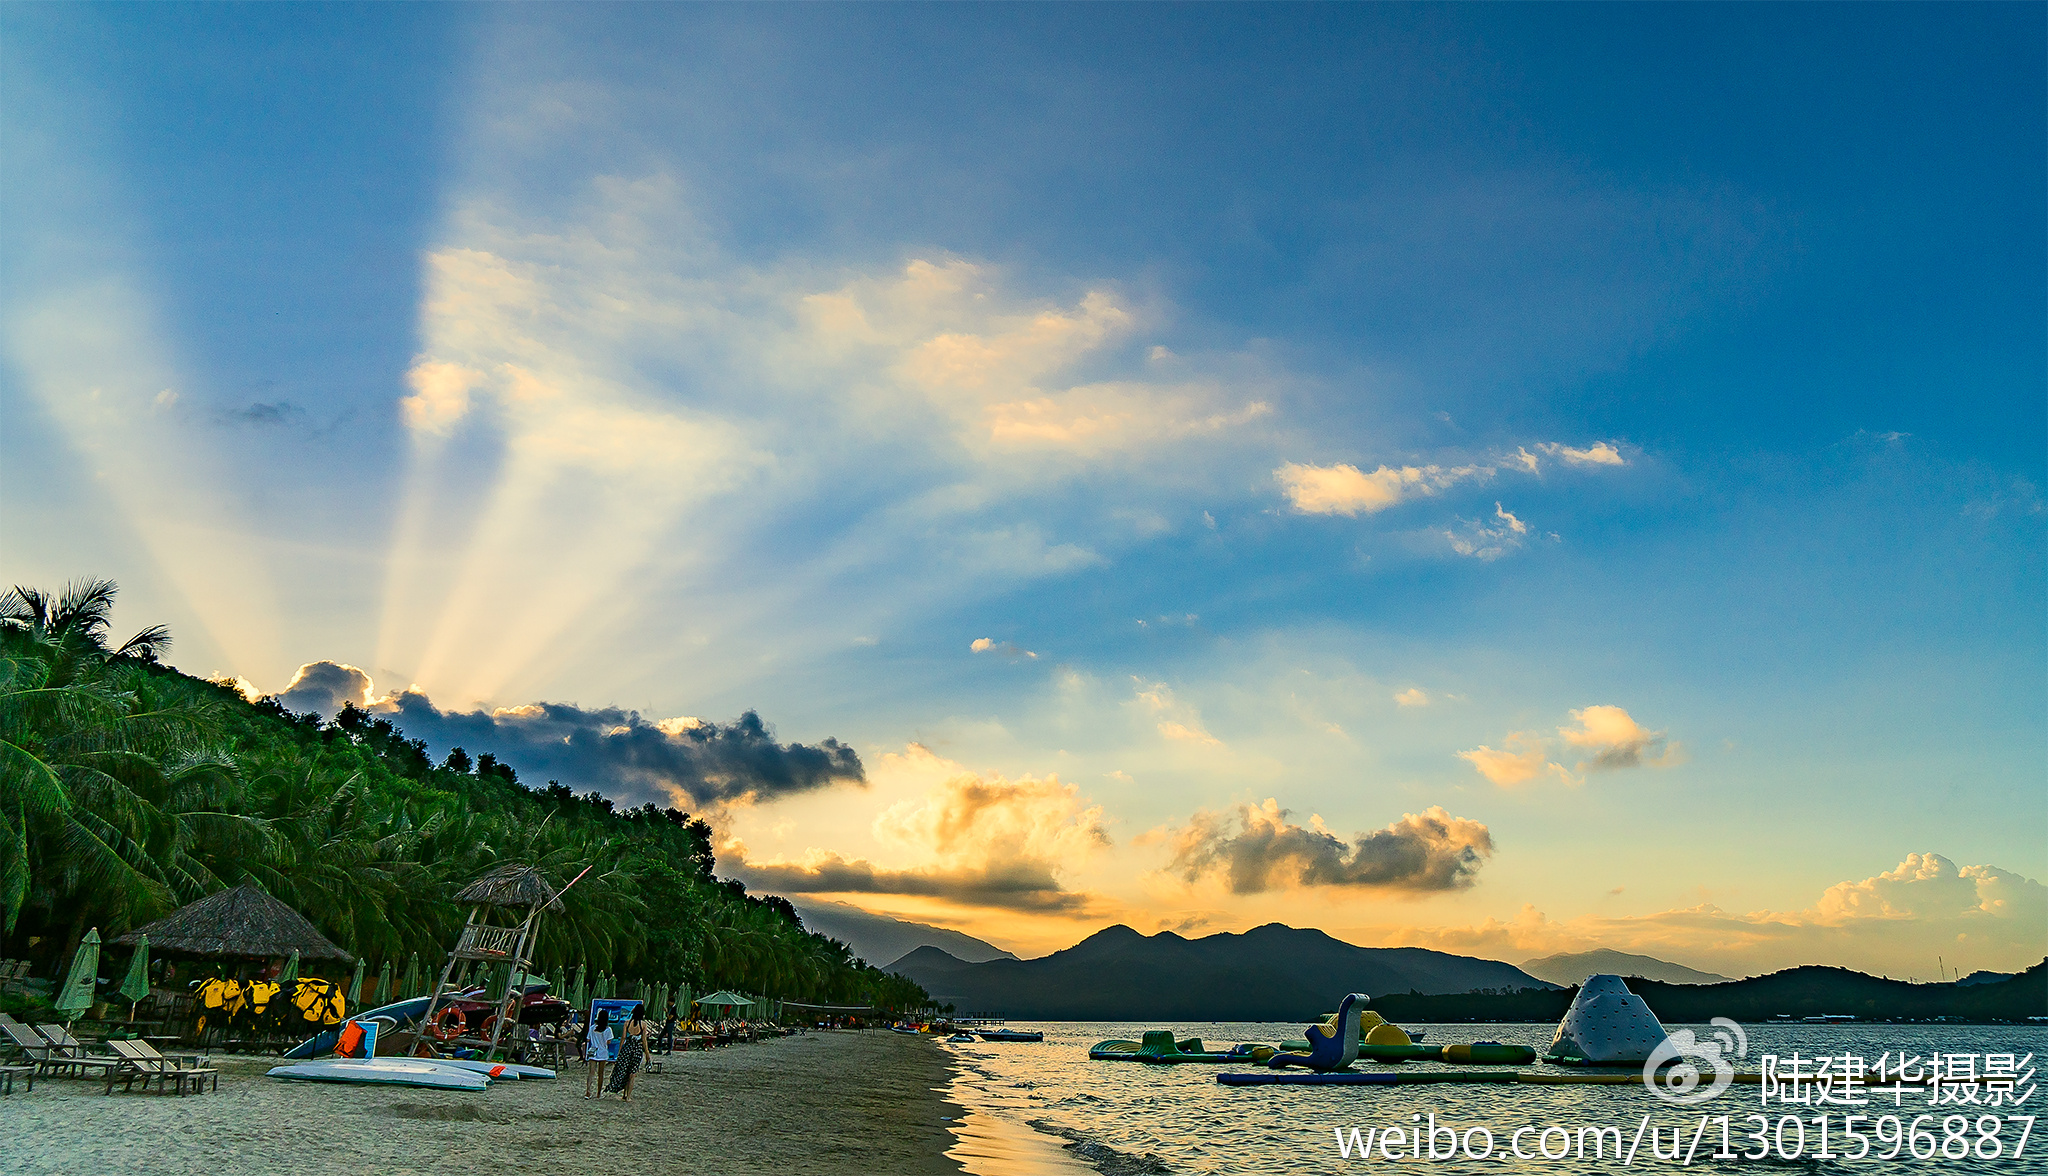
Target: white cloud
x=1174, y=719
x=1893, y=923
x=1600, y=453
x=1000, y=649
x=1522, y=758
x=1612, y=739
x=1413, y=696
x=1344, y=489
x=1347, y=490
x=1488, y=540
x=1606, y=738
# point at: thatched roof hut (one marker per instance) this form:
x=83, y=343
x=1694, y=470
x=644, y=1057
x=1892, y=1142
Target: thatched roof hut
x=510, y=885
x=242, y=921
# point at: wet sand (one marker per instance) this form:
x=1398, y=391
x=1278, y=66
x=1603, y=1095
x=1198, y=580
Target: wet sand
x=821, y=1103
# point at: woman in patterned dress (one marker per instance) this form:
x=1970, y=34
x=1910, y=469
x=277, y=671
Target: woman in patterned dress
x=632, y=1052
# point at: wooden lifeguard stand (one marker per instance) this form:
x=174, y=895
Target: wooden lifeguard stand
x=500, y=894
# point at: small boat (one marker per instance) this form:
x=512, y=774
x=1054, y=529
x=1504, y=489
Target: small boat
x=962, y=1038
x=1011, y=1035
x=385, y=1072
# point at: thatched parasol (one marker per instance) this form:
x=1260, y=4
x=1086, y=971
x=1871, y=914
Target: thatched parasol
x=242, y=921
x=510, y=885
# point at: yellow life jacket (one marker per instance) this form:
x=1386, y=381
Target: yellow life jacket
x=320, y=1002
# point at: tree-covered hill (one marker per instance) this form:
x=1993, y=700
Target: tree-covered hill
x=1810, y=991
x=128, y=789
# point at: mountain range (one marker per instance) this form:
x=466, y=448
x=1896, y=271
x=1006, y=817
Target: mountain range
x=878, y=939
x=1571, y=968
x=1269, y=973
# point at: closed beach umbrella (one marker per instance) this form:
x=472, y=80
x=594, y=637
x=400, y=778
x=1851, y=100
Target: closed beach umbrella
x=602, y=980
x=287, y=988
x=383, y=994
x=661, y=999
x=579, y=995
x=136, y=985
x=355, y=985
x=76, y=996
x=412, y=977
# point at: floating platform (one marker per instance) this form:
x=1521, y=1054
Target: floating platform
x=1370, y=1078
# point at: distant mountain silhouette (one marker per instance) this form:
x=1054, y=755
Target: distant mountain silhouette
x=1810, y=991
x=1570, y=968
x=1986, y=976
x=1269, y=973
x=880, y=938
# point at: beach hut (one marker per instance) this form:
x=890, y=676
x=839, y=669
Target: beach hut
x=241, y=922
x=243, y=926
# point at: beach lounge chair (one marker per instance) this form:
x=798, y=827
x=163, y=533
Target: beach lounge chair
x=23, y=1040
x=54, y=1052
x=7, y=1076
x=31, y=1046
x=144, y=1062
x=1332, y=1045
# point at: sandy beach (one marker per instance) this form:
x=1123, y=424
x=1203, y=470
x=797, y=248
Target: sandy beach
x=841, y=1102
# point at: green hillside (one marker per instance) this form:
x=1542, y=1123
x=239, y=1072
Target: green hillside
x=128, y=789
x=1795, y=992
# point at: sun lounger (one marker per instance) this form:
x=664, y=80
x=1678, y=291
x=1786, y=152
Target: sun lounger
x=54, y=1052
x=31, y=1045
x=7, y=1074
x=144, y=1062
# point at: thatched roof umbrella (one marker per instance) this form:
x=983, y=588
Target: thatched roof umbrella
x=510, y=885
x=241, y=922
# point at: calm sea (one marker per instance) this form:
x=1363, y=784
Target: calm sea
x=1182, y=1118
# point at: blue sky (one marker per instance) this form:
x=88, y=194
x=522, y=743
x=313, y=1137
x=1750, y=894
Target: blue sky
x=1619, y=428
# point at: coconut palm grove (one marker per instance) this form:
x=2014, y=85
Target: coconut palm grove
x=129, y=789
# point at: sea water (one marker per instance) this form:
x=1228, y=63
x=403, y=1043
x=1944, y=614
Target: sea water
x=1179, y=1118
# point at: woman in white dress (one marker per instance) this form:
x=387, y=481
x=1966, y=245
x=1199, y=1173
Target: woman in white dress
x=597, y=1053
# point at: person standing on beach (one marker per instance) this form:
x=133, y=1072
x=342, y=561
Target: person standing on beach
x=597, y=1051
x=632, y=1048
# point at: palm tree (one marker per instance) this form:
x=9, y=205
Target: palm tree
x=78, y=618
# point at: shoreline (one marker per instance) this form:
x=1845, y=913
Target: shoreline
x=818, y=1104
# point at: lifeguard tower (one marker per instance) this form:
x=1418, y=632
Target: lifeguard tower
x=497, y=932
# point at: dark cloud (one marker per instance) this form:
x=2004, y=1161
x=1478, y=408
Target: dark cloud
x=1258, y=849
x=618, y=753
x=321, y=687
x=1017, y=886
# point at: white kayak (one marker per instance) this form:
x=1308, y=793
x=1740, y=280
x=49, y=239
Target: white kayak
x=494, y=1069
x=385, y=1071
